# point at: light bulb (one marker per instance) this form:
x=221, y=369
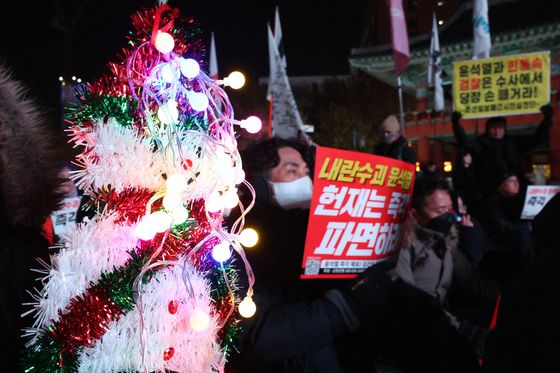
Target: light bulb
x=198, y=101
x=230, y=198
x=214, y=202
x=145, y=230
x=167, y=73
x=172, y=200
x=179, y=215
x=168, y=112
x=199, y=320
x=164, y=42
x=247, y=307
x=176, y=184
x=160, y=220
x=252, y=124
x=189, y=68
x=248, y=237
x=235, y=80
x=221, y=252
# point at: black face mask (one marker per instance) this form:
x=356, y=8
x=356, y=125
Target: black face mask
x=442, y=223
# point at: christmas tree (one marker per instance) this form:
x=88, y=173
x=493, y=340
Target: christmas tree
x=147, y=283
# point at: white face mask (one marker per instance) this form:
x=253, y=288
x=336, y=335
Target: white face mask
x=294, y=194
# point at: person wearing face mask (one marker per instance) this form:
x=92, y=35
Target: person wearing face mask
x=325, y=325
x=394, y=145
x=495, y=150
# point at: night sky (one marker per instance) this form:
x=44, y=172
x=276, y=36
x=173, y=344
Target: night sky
x=318, y=36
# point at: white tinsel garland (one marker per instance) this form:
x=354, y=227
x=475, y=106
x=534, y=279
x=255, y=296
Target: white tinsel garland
x=194, y=351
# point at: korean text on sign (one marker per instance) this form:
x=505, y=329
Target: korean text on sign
x=357, y=212
x=506, y=85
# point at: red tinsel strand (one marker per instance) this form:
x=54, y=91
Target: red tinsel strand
x=85, y=320
x=130, y=204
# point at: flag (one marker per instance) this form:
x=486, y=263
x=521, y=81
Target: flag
x=399, y=36
x=286, y=121
x=434, y=68
x=278, y=37
x=481, y=30
x=213, y=64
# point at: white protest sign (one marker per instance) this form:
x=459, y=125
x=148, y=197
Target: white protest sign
x=536, y=198
x=65, y=218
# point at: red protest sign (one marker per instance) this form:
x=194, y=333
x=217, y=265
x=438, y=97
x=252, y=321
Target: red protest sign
x=357, y=213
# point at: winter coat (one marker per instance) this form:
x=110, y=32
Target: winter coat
x=431, y=261
x=492, y=158
x=28, y=178
x=398, y=149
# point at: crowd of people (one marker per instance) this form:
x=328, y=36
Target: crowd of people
x=473, y=288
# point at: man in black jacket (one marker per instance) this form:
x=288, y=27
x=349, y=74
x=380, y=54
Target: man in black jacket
x=394, y=144
x=495, y=151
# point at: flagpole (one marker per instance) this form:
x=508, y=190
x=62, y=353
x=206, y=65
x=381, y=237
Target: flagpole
x=403, y=131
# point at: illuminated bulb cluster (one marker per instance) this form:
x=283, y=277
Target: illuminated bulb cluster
x=175, y=214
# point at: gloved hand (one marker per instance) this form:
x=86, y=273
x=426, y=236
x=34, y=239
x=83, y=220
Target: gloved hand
x=456, y=117
x=367, y=297
x=547, y=112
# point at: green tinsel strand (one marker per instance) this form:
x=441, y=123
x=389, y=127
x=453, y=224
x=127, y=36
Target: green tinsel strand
x=230, y=333
x=45, y=356
x=118, y=283
x=193, y=123
x=93, y=106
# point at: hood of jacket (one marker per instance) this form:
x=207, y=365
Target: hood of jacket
x=28, y=157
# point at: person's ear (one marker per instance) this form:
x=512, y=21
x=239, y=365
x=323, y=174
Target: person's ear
x=412, y=214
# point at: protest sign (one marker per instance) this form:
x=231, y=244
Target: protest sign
x=506, y=85
x=536, y=198
x=65, y=218
x=357, y=213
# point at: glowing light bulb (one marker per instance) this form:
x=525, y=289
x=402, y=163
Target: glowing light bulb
x=189, y=68
x=168, y=112
x=179, y=215
x=160, y=220
x=167, y=73
x=221, y=252
x=252, y=124
x=145, y=230
x=164, y=42
x=199, y=320
x=214, y=202
x=176, y=184
x=198, y=101
x=172, y=201
x=60, y=79
x=235, y=80
x=230, y=198
x=248, y=237
x=247, y=307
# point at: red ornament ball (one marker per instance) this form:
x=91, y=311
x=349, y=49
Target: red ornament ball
x=168, y=353
x=172, y=307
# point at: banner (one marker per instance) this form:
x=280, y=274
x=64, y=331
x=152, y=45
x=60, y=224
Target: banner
x=536, y=198
x=357, y=213
x=507, y=85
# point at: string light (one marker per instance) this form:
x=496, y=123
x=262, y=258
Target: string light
x=176, y=183
x=221, y=252
x=214, y=202
x=199, y=320
x=164, y=42
x=160, y=220
x=168, y=112
x=235, y=80
x=171, y=201
x=230, y=198
x=247, y=307
x=168, y=73
x=189, y=68
x=248, y=237
x=252, y=124
x=179, y=215
x=144, y=230
x=198, y=101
